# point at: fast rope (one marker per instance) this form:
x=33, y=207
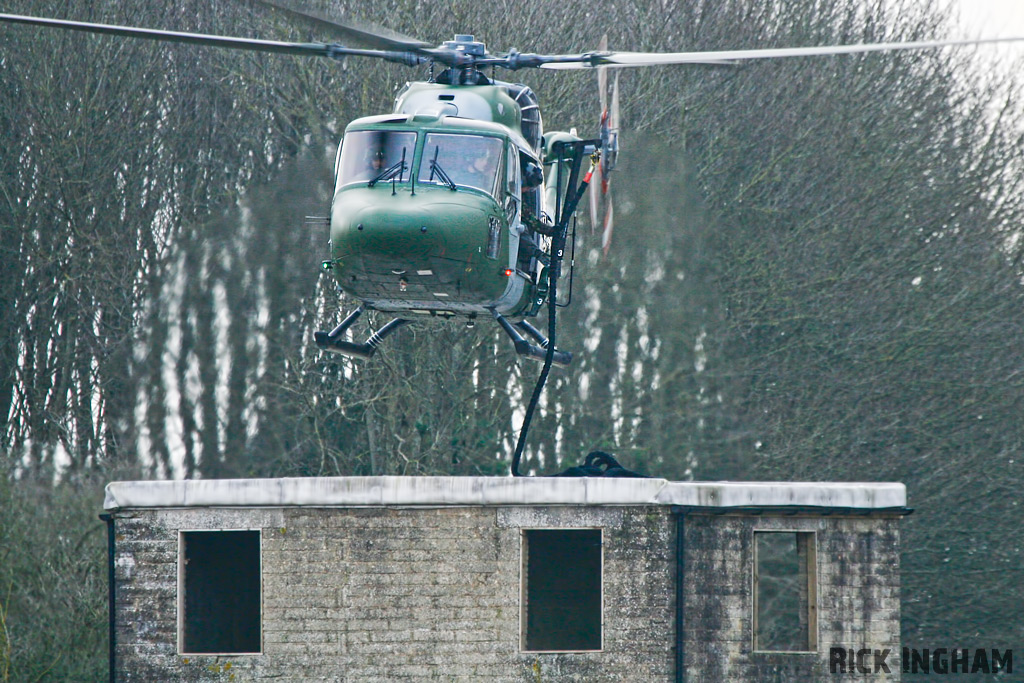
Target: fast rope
x=554, y=272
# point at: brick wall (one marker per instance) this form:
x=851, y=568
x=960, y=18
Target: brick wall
x=433, y=594
x=858, y=593
x=388, y=594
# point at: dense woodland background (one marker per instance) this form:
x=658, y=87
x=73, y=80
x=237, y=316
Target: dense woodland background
x=816, y=275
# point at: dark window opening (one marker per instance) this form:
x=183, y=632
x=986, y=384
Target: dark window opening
x=562, y=592
x=785, y=602
x=221, y=592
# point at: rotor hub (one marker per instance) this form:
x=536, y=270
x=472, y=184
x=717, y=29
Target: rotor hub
x=467, y=45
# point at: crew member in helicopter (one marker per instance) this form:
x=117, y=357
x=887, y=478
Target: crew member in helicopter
x=479, y=169
x=376, y=162
x=534, y=218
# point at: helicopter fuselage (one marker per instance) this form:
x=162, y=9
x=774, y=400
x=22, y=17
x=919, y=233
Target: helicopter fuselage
x=428, y=210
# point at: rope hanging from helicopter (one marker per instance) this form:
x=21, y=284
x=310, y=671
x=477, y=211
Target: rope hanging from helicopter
x=558, y=240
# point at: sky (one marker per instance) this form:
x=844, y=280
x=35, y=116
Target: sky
x=993, y=18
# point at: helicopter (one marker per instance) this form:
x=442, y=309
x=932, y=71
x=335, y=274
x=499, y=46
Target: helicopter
x=457, y=204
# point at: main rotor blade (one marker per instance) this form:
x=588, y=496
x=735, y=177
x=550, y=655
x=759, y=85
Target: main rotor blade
x=252, y=44
x=632, y=59
x=371, y=36
x=609, y=226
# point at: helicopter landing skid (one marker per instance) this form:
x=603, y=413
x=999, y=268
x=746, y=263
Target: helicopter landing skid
x=525, y=348
x=332, y=341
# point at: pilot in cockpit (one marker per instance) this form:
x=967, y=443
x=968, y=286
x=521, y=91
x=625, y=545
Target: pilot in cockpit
x=375, y=163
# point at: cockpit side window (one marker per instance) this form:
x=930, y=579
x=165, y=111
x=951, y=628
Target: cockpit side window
x=366, y=154
x=511, y=201
x=467, y=160
x=337, y=161
x=512, y=172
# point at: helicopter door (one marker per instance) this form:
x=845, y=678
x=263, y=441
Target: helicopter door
x=532, y=180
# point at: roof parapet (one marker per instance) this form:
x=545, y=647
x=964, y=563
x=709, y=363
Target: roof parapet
x=485, y=491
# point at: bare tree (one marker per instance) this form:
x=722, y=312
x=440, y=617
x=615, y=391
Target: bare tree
x=815, y=273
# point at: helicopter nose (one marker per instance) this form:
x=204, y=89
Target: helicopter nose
x=408, y=234
x=381, y=232
x=417, y=248
x=412, y=227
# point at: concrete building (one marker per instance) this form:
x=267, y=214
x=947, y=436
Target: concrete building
x=364, y=579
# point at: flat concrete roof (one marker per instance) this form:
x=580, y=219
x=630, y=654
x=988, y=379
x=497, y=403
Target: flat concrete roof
x=442, y=491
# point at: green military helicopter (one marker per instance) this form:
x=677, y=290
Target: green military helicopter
x=457, y=203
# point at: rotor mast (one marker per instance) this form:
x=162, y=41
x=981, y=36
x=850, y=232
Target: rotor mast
x=462, y=55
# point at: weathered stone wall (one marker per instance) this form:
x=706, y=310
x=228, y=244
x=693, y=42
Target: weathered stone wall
x=391, y=594
x=858, y=601
x=433, y=594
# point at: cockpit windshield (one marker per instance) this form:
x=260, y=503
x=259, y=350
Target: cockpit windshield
x=462, y=160
x=369, y=155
